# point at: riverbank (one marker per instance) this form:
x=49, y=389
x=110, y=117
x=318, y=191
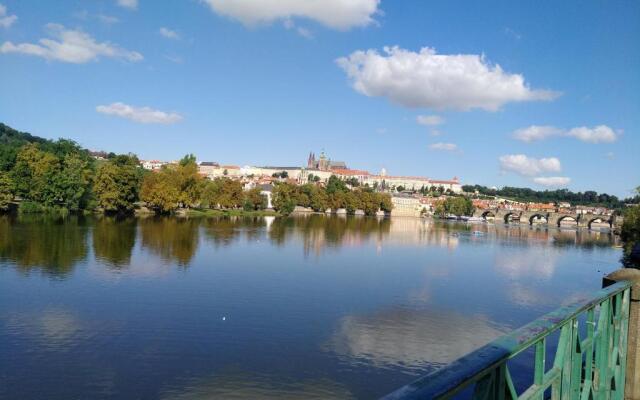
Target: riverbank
x=227, y=213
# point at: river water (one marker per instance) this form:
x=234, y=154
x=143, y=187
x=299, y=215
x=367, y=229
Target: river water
x=303, y=307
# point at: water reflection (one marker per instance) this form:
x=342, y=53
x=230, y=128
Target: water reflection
x=412, y=339
x=113, y=240
x=52, y=328
x=224, y=231
x=56, y=245
x=246, y=385
x=51, y=245
x=382, y=301
x=173, y=239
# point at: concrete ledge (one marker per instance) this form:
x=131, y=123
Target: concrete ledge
x=632, y=379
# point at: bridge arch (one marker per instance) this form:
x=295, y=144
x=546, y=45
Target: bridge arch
x=602, y=219
x=570, y=217
x=487, y=214
x=507, y=216
x=538, y=215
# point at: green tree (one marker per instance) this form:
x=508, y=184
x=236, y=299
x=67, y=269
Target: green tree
x=630, y=235
x=335, y=184
x=159, y=192
x=284, y=197
x=458, y=206
x=6, y=190
x=254, y=200
x=117, y=185
x=386, y=204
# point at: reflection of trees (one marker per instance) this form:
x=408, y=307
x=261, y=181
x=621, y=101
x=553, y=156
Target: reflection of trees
x=52, y=244
x=319, y=231
x=113, y=240
x=173, y=239
x=224, y=230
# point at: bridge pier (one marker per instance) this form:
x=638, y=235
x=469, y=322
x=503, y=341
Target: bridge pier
x=632, y=378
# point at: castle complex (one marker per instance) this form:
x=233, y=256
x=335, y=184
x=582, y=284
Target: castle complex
x=319, y=170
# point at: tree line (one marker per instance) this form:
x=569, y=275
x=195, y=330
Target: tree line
x=60, y=175
x=587, y=198
x=335, y=195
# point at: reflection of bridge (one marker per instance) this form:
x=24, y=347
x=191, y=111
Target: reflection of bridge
x=549, y=218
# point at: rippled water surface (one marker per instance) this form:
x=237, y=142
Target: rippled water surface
x=306, y=307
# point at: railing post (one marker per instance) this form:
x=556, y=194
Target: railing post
x=632, y=378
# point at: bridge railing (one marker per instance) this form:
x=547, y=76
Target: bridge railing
x=589, y=362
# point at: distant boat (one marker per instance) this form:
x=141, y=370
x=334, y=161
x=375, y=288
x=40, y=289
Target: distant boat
x=477, y=233
x=475, y=219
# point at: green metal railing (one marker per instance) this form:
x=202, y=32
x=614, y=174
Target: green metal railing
x=586, y=368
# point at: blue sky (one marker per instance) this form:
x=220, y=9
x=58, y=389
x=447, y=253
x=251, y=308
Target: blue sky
x=538, y=94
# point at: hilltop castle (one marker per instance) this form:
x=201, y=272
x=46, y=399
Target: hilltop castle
x=323, y=163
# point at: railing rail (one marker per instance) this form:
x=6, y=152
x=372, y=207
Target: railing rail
x=589, y=368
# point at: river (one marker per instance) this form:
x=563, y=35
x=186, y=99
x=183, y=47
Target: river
x=302, y=307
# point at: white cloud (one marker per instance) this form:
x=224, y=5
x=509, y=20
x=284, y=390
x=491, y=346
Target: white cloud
x=438, y=81
x=598, y=134
x=528, y=166
x=336, y=14
x=435, y=132
x=304, y=32
x=143, y=115
x=430, y=120
x=536, y=132
x=130, y=4
x=6, y=20
x=168, y=33
x=108, y=19
x=444, y=146
x=174, y=58
x=610, y=155
x=70, y=46
x=555, y=181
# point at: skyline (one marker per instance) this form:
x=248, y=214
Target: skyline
x=543, y=95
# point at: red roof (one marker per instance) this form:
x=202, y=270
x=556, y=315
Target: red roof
x=349, y=171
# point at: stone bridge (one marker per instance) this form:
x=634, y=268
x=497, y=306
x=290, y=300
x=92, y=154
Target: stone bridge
x=549, y=218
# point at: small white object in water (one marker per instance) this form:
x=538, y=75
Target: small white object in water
x=224, y=318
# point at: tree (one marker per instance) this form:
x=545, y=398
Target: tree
x=159, y=192
x=187, y=159
x=254, y=200
x=458, y=206
x=630, y=235
x=6, y=190
x=386, y=204
x=400, y=188
x=117, y=185
x=60, y=177
x=231, y=195
x=370, y=202
x=335, y=184
x=284, y=197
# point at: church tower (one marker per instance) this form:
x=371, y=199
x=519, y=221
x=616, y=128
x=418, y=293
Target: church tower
x=311, y=161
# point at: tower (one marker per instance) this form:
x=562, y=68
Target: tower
x=323, y=163
x=311, y=161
